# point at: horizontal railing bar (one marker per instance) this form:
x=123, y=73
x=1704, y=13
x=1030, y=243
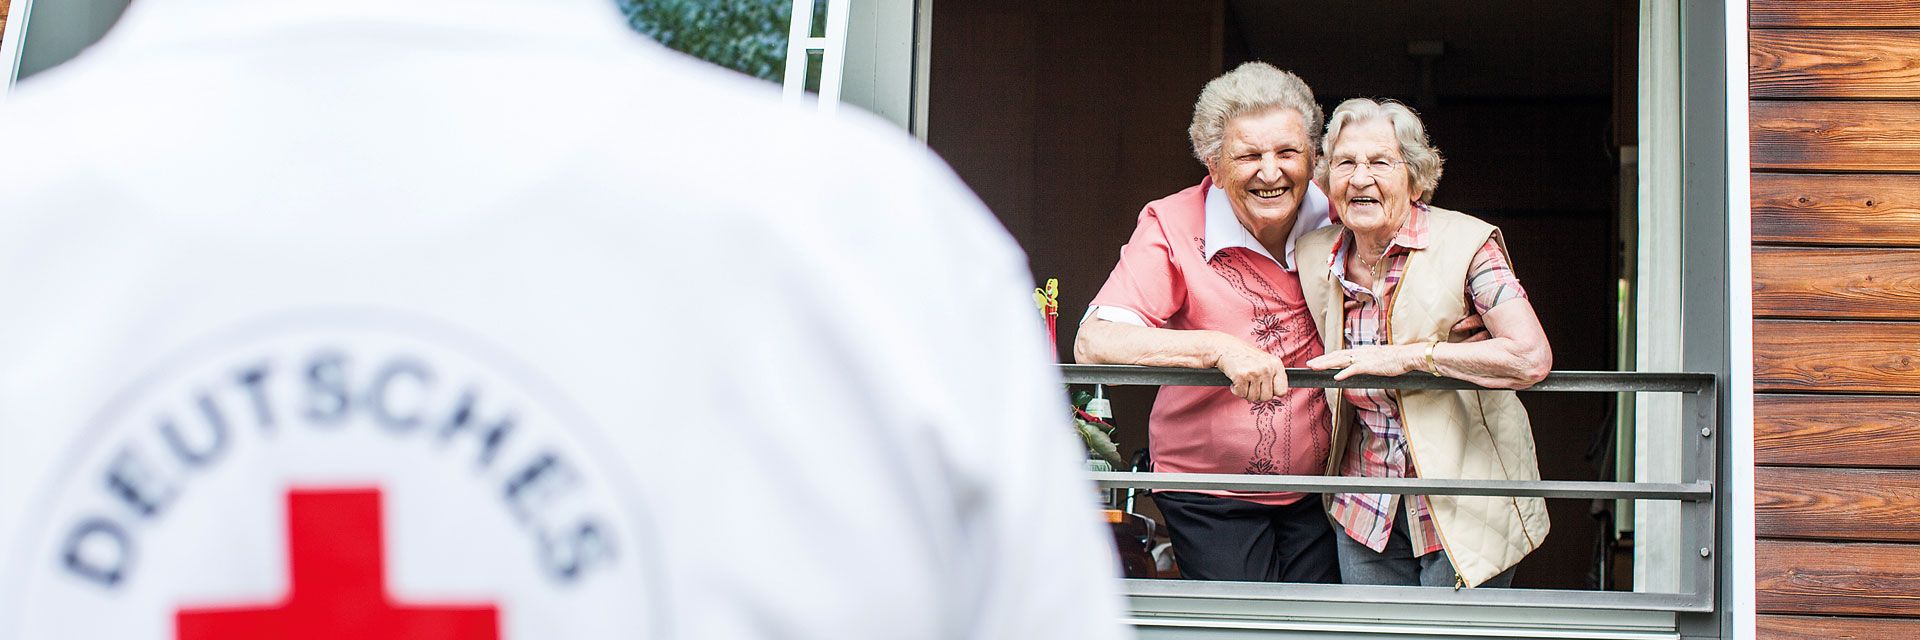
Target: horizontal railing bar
x=1690, y=492
x=1138, y=589
x=1633, y=381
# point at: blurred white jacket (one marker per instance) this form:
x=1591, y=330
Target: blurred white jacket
x=623, y=347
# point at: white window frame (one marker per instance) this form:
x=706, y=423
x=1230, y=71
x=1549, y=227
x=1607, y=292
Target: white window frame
x=832, y=47
x=11, y=37
x=873, y=56
x=1739, y=414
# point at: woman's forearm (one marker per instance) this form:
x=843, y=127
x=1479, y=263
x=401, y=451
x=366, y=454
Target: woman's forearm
x=1257, y=376
x=1501, y=363
x=1517, y=357
x=1104, y=342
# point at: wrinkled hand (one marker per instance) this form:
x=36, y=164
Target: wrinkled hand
x=1470, y=329
x=1382, y=360
x=1257, y=376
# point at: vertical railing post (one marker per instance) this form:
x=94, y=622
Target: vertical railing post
x=1699, y=463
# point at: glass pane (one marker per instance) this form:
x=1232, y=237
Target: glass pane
x=816, y=60
x=749, y=36
x=818, y=28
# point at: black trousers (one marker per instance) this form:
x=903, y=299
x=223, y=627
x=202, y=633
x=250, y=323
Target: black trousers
x=1217, y=538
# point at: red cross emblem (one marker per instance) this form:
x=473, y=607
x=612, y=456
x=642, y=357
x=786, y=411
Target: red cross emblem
x=338, y=573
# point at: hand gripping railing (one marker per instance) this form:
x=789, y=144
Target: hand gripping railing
x=1696, y=491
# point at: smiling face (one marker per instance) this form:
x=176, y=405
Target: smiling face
x=1373, y=197
x=1265, y=162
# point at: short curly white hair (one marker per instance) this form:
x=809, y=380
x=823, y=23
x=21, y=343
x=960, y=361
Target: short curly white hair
x=1423, y=161
x=1254, y=87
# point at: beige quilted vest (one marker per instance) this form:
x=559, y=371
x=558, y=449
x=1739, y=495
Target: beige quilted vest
x=1471, y=435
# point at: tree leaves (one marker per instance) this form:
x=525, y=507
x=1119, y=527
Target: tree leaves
x=749, y=36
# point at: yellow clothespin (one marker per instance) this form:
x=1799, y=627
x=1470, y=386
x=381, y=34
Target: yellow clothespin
x=1048, y=297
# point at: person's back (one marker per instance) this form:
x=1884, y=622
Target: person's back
x=487, y=319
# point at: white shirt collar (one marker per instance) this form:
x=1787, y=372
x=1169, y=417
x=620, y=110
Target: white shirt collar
x=1224, y=229
x=149, y=22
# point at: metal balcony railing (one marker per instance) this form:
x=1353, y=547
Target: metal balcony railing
x=1205, y=609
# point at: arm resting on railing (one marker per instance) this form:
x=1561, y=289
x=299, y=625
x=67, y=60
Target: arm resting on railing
x=1257, y=375
x=1516, y=357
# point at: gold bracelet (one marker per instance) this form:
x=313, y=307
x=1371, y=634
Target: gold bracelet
x=1432, y=367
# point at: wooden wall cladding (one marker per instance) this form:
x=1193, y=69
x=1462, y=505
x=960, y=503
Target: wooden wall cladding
x=1836, y=283
x=1835, y=149
x=1832, y=13
x=1836, y=430
x=1860, y=357
x=1835, y=136
x=1837, y=504
x=1797, y=577
x=1832, y=628
x=1836, y=209
x=1804, y=63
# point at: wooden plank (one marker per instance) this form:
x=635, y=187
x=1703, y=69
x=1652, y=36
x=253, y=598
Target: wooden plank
x=1822, y=64
x=1870, y=357
x=1837, y=504
x=1835, y=136
x=1827, y=628
x=1833, y=13
x=1836, y=209
x=1836, y=431
x=1836, y=283
x=1823, y=578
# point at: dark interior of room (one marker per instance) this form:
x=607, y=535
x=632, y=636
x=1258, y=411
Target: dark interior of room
x=1066, y=117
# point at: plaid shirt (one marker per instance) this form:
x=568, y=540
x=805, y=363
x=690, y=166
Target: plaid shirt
x=1380, y=449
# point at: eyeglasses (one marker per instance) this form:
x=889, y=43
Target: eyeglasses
x=1346, y=166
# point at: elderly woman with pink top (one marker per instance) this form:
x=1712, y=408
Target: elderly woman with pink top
x=1208, y=280
x=1384, y=288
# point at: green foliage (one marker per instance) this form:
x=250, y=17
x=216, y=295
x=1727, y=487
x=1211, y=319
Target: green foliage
x=749, y=36
x=1099, y=439
x=1097, y=435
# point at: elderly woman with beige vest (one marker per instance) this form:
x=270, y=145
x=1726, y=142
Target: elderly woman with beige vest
x=1384, y=288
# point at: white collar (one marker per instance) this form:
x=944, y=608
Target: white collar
x=149, y=22
x=1224, y=229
